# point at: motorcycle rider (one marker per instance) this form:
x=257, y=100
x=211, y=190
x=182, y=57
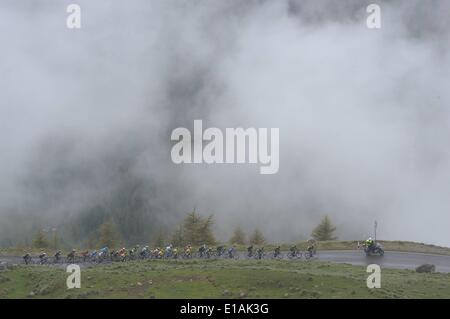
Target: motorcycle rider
x=370, y=243
x=371, y=247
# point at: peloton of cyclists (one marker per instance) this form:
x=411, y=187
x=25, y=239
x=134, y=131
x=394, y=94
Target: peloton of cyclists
x=172, y=252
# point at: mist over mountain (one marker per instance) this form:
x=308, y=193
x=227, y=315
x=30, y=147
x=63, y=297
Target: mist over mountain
x=86, y=116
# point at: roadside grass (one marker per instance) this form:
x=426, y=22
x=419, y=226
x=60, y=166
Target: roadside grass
x=221, y=279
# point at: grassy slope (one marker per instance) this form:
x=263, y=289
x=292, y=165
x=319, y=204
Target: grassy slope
x=222, y=279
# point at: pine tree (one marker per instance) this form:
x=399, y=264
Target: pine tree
x=191, y=228
x=91, y=241
x=206, y=233
x=178, y=237
x=159, y=240
x=324, y=231
x=198, y=230
x=40, y=240
x=55, y=239
x=257, y=238
x=109, y=236
x=238, y=236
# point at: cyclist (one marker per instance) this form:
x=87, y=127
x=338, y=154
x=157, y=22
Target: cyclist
x=27, y=258
x=43, y=258
x=93, y=255
x=132, y=252
x=209, y=252
x=169, y=251
x=71, y=256
x=293, y=251
x=175, y=253
x=57, y=256
x=311, y=249
x=260, y=253
x=144, y=252
x=84, y=255
x=155, y=253
x=122, y=253
x=202, y=250
x=188, y=251
x=250, y=251
x=231, y=251
x=103, y=253
x=277, y=252
x=220, y=250
x=114, y=254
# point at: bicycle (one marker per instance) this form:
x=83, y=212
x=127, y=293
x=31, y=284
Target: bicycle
x=43, y=260
x=275, y=255
x=309, y=253
x=294, y=255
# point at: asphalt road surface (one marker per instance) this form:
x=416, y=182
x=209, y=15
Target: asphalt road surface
x=391, y=259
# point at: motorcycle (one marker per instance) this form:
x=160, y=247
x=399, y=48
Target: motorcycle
x=376, y=249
